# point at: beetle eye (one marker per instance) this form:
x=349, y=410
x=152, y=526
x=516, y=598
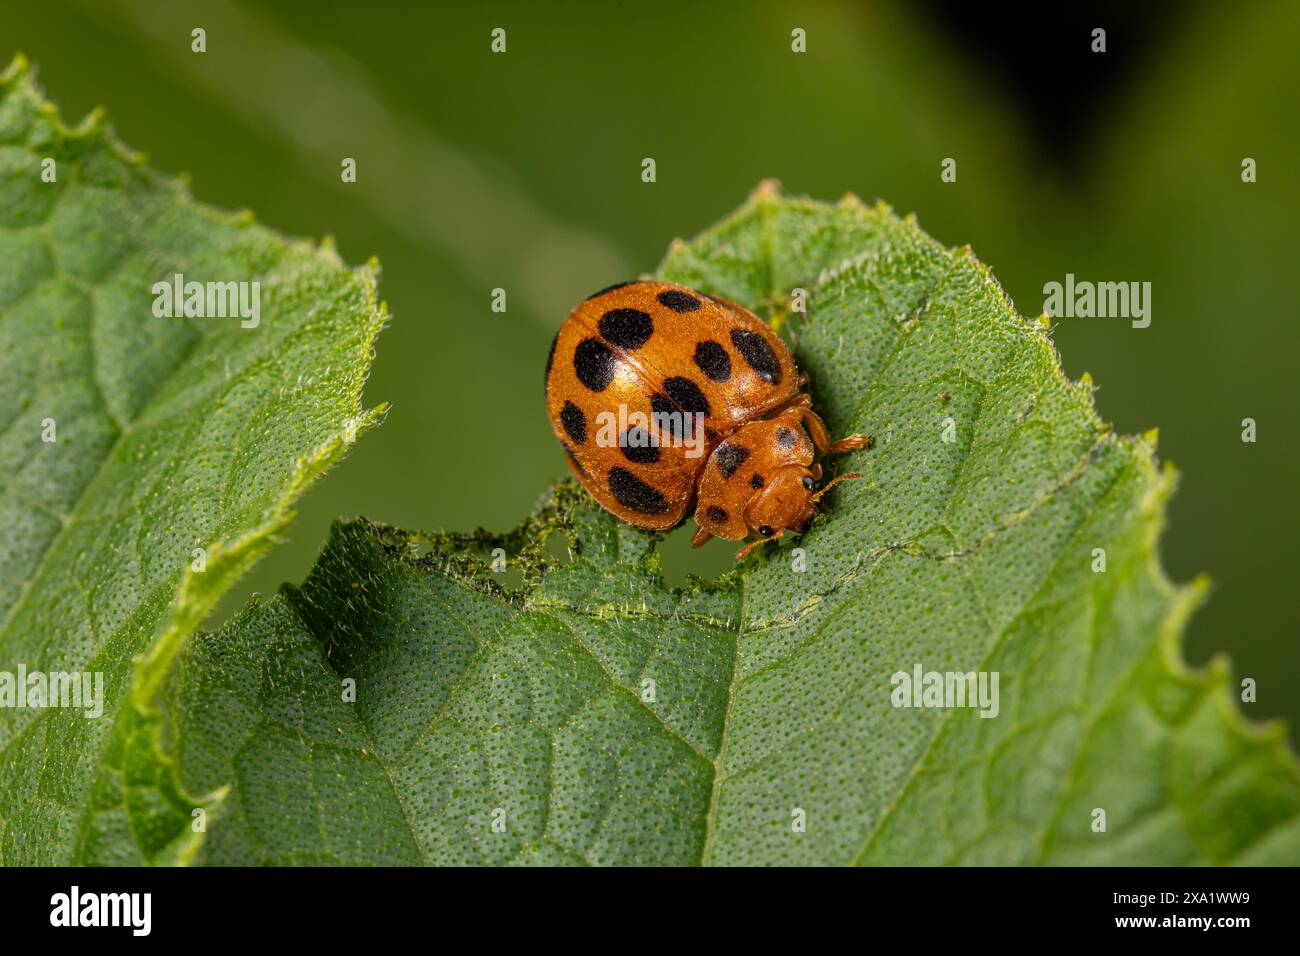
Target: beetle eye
x=765, y=531
x=807, y=482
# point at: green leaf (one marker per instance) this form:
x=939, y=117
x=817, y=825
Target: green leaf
x=170, y=435
x=531, y=708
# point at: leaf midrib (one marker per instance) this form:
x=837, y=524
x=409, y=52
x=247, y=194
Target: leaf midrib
x=719, y=762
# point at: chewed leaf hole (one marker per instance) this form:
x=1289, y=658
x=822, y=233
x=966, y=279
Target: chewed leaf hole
x=678, y=560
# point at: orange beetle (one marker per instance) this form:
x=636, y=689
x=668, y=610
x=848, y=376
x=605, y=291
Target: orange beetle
x=666, y=398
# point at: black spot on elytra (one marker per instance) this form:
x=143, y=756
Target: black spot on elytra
x=730, y=457
x=610, y=288
x=633, y=493
x=594, y=363
x=661, y=404
x=712, y=359
x=550, y=358
x=686, y=394
x=678, y=301
x=717, y=515
x=756, y=481
x=626, y=328
x=568, y=452
x=574, y=422
x=785, y=437
x=758, y=353
x=637, y=447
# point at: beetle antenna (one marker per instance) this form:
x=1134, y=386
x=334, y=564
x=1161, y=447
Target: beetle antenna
x=833, y=482
x=743, y=553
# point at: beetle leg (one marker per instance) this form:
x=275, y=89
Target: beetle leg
x=801, y=400
x=817, y=432
x=701, y=536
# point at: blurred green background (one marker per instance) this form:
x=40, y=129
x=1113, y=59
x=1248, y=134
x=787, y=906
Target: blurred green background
x=522, y=171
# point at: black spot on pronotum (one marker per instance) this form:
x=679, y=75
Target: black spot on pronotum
x=594, y=363
x=633, y=493
x=712, y=359
x=717, y=515
x=610, y=288
x=626, y=328
x=637, y=447
x=686, y=394
x=756, y=481
x=574, y=422
x=785, y=437
x=730, y=457
x=758, y=353
x=678, y=301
